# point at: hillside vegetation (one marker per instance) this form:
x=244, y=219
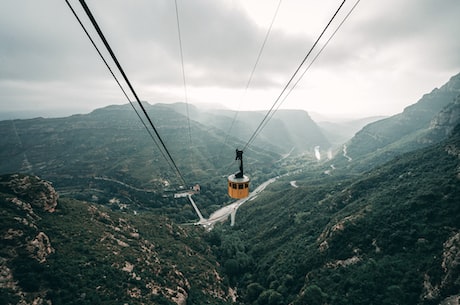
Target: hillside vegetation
x=88, y=214
x=391, y=236
x=73, y=252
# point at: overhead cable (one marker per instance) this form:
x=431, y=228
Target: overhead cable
x=117, y=63
x=183, y=71
x=263, y=45
x=313, y=60
x=115, y=77
x=259, y=55
x=267, y=115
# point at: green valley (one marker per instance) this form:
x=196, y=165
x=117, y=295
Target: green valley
x=89, y=216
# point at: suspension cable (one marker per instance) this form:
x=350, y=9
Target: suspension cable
x=117, y=63
x=263, y=45
x=183, y=72
x=259, y=55
x=313, y=60
x=261, y=125
x=115, y=78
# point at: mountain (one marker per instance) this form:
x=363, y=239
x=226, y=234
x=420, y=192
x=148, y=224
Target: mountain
x=443, y=123
x=303, y=132
x=64, y=251
x=108, y=153
x=106, y=228
x=287, y=131
x=381, y=141
x=390, y=236
x=339, y=132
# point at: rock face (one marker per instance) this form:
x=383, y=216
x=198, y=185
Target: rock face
x=31, y=189
x=40, y=247
x=451, y=259
x=24, y=199
x=426, y=122
x=444, y=123
x=28, y=195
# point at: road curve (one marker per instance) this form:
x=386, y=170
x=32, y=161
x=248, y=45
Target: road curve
x=223, y=213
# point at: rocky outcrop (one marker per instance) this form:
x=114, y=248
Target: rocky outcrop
x=25, y=200
x=40, y=247
x=451, y=260
x=118, y=236
x=444, y=123
x=39, y=193
x=450, y=264
x=28, y=196
x=448, y=118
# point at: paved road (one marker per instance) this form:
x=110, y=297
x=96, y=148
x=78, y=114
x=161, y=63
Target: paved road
x=223, y=213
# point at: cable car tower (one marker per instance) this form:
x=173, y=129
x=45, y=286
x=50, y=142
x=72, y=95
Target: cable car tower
x=238, y=184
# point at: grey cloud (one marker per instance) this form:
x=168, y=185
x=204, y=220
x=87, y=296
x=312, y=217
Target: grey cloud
x=44, y=49
x=220, y=43
x=412, y=30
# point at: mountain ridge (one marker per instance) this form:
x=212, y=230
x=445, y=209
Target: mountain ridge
x=287, y=129
x=382, y=140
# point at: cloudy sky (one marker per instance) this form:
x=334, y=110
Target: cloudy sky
x=385, y=56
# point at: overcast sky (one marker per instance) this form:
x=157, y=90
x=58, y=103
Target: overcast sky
x=384, y=58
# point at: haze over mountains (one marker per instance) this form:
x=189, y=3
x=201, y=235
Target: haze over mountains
x=381, y=227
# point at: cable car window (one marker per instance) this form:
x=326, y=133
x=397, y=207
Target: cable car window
x=240, y=186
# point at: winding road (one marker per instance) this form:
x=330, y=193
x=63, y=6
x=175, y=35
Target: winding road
x=223, y=213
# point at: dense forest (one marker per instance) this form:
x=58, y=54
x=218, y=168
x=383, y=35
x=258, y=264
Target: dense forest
x=388, y=237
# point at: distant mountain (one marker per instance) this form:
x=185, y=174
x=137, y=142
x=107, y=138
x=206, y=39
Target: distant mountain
x=287, y=131
x=391, y=236
x=115, y=136
x=45, y=113
x=383, y=140
x=303, y=132
x=112, y=141
x=340, y=131
x=109, y=154
x=71, y=252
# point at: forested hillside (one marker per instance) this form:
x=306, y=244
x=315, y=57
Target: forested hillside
x=391, y=236
x=72, y=252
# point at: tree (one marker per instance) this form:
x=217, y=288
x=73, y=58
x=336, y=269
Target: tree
x=313, y=295
x=270, y=297
x=253, y=291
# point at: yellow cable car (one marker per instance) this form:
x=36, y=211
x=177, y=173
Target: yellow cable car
x=238, y=184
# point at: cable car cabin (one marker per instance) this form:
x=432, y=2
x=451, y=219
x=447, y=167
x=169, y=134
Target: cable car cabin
x=238, y=184
x=238, y=187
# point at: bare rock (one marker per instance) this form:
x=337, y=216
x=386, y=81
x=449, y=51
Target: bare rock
x=40, y=247
x=31, y=189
